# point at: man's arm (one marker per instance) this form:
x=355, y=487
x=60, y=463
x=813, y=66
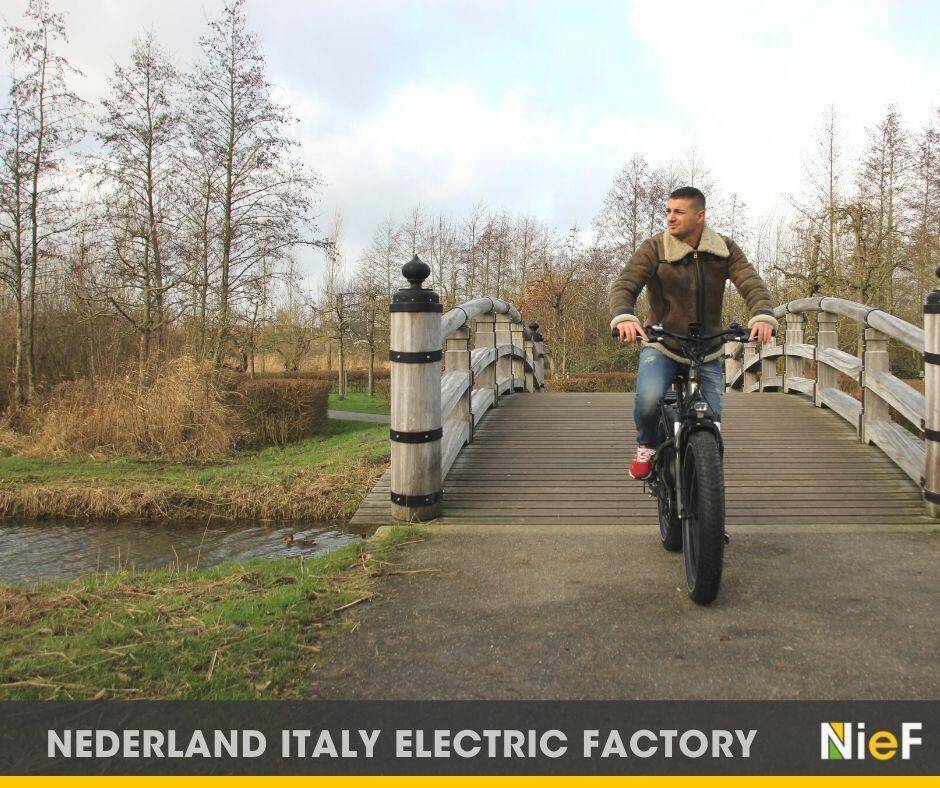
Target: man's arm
x=627, y=286
x=749, y=284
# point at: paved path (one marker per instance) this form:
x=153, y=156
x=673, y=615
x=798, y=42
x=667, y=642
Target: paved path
x=348, y=415
x=593, y=612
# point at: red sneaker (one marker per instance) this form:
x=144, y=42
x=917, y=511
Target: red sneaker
x=642, y=465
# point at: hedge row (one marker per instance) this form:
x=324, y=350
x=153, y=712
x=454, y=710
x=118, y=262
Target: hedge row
x=356, y=379
x=594, y=381
x=279, y=411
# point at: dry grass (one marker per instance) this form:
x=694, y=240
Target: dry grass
x=308, y=495
x=178, y=416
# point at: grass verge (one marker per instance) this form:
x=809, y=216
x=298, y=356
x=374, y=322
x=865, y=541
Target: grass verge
x=359, y=402
x=321, y=478
x=236, y=631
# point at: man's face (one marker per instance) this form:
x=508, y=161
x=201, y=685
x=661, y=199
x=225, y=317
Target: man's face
x=683, y=217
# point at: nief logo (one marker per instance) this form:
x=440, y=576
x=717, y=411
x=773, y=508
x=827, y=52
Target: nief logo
x=848, y=741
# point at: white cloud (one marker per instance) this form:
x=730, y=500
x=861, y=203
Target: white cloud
x=754, y=79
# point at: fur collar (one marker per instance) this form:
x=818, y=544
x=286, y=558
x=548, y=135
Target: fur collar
x=674, y=249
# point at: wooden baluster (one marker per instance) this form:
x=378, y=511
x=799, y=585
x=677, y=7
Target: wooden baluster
x=529, y=346
x=485, y=337
x=504, y=337
x=733, y=362
x=457, y=359
x=750, y=376
x=793, y=365
x=874, y=359
x=415, y=361
x=517, y=365
x=768, y=365
x=932, y=402
x=826, y=337
x=538, y=351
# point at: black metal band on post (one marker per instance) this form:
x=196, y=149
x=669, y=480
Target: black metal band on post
x=421, y=436
x=415, y=357
x=931, y=435
x=416, y=500
x=414, y=306
x=932, y=358
x=931, y=309
x=930, y=495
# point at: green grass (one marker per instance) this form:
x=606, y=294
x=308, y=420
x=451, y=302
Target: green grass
x=322, y=477
x=358, y=402
x=236, y=631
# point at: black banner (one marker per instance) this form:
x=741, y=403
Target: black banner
x=471, y=737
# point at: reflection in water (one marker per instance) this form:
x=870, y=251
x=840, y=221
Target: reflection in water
x=50, y=550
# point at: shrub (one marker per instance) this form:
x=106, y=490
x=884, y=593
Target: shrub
x=179, y=416
x=383, y=388
x=279, y=411
x=594, y=381
x=356, y=379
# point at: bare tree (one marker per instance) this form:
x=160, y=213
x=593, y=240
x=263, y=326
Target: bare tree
x=263, y=194
x=41, y=124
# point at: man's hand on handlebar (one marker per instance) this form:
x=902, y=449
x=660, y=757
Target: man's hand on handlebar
x=631, y=331
x=761, y=331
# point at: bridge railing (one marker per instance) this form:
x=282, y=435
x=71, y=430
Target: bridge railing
x=753, y=368
x=487, y=353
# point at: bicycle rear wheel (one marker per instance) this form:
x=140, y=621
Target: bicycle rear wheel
x=704, y=527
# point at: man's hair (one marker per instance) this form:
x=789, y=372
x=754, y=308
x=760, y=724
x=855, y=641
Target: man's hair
x=689, y=193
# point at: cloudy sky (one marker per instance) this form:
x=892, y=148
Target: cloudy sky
x=532, y=106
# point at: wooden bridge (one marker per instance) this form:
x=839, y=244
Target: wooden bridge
x=818, y=458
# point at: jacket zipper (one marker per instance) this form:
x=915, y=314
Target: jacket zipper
x=701, y=288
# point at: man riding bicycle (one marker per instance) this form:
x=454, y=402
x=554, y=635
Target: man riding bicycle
x=685, y=269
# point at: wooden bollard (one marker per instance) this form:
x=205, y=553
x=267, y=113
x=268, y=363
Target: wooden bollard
x=732, y=361
x=415, y=360
x=874, y=408
x=932, y=402
x=793, y=365
x=530, y=358
x=538, y=348
x=826, y=337
x=457, y=359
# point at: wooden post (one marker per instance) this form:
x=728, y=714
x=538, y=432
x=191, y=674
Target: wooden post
x=875, y=359
x=793, y=365
x=826, y=337
x=503, y=337
x=529, y=346
x=750, y=376
x=538, y=350
x=517, y=365
x=415, y=360
x=768, y=366
x=485, y=337
x=932, y=402
x=457, y=359
x=732, y=362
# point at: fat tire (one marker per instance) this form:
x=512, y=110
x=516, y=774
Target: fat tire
x=705, y=498
x=670, y=526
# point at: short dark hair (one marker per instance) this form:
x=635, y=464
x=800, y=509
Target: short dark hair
x=689, y=193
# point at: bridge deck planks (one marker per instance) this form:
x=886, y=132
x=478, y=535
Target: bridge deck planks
x=561, y=458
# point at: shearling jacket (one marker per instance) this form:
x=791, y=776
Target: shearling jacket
x=687, y=285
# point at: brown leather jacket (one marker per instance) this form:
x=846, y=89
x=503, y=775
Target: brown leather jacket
x=687, y=285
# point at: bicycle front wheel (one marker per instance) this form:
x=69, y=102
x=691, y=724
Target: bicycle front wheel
x=704, y=528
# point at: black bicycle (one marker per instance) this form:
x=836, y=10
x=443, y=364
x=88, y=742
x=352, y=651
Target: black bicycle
x=687, y=479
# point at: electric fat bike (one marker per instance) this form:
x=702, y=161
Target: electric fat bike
x=687, y=479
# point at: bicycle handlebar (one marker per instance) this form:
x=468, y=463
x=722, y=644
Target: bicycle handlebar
x=735, y=332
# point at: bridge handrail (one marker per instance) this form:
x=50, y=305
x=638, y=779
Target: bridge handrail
x=754, y=369
x=433, y=415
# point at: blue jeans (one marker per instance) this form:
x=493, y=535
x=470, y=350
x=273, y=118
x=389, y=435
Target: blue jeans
x=654, y=374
